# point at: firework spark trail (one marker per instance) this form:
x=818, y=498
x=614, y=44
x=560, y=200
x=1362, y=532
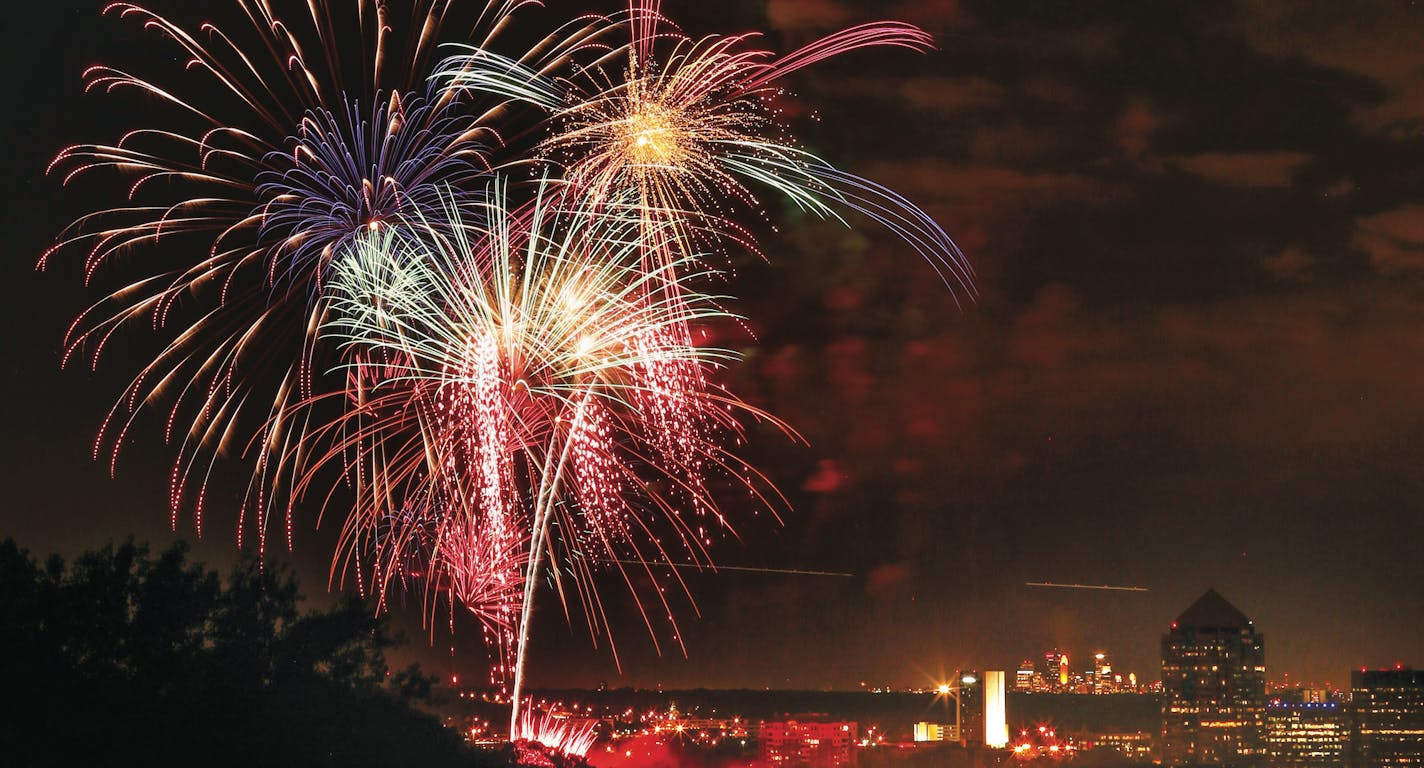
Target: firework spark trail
x=519, y=401
x=754, y=569
x=543, y=326
x=571, y=737
x=679, y=136
x=266, y=175
x=681, y=126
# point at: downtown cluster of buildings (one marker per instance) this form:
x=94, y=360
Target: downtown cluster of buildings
x=1056, y=675
x=1216, y=710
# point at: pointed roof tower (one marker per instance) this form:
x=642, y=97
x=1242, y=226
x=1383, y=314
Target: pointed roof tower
x=1212, y=611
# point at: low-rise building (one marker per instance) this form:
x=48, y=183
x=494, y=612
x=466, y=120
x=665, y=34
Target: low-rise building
x=819, y=744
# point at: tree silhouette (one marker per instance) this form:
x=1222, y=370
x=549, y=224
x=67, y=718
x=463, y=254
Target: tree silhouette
x=123, y=658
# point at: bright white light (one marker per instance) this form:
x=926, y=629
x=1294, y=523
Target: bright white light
x=996, y=729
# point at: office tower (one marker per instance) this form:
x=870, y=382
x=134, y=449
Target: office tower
x=1213, y=688
x=1023, y=679
x=970, y=693
x=1388, y=709
x=1055, y=671
x=1306, y=734
x=1102, y=679
x=996, y=727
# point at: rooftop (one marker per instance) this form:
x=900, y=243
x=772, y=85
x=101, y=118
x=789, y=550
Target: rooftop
x=1212, y=611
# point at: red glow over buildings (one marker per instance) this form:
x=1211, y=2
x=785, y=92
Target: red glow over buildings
x=638, y=752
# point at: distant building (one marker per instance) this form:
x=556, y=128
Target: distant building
x=1388, y=713
x=996, y=726
x=971, y=707
x=823, y=745
x=1055, y=671
x=1306, y=734
x=1103, y=680
x=1023, y=679
x=1213, y=688
x=927, y=731
x=1054, y=675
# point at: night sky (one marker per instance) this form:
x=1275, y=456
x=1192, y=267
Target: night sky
x=1196, y=358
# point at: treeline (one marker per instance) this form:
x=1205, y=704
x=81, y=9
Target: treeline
x=126, y=658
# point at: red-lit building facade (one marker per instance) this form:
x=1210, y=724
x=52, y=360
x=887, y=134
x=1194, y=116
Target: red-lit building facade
x=819, y=744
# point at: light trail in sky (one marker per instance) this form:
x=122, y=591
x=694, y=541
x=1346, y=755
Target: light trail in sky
x=1103, y=587
x=742, y=569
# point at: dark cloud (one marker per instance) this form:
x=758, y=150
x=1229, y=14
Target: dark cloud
x=1198, y=325
x=1394, y=239
x=1244, y=169
x=1375, y=40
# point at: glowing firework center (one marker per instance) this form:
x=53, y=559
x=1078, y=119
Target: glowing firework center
x=502, y=374
x=653, y=137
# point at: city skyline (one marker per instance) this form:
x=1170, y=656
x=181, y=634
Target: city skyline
x=1195, y=361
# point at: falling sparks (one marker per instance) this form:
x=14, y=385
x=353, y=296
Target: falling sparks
x=566, y=736
x=496, y=382
x=291, y=163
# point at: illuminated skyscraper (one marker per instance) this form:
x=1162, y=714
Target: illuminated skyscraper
x=1388, y=709
x=1213, y=688
x=1305, y=734
x=1023, y=679
x=1102, y=679
x=972, y=707
x=1055, y=670
x=996, y=728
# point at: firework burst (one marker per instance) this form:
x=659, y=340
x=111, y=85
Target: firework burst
x=535, y=383
x=509, y=377
x=683, y=127
x=287, y=153
x=564, y=735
